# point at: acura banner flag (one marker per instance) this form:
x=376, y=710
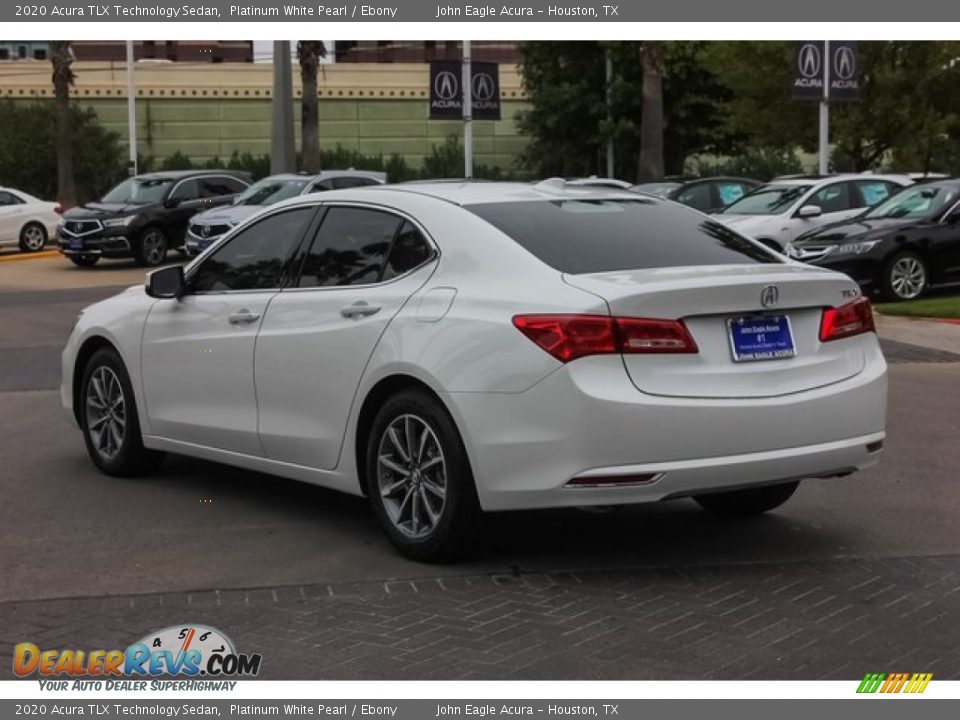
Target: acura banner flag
x=815, y=62
x=446, y=95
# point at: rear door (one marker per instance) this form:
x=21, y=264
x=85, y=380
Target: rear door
x=362, y=266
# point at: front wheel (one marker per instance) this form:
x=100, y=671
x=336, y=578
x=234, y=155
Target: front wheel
x=419, y=480
x=749, y=501
x=33, y=237
x=108, y=417
x=151, y=249
x=905, y=277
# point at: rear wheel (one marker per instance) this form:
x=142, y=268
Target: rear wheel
x=419, y=480
x=108, y=416
x=905, y=277
x=750, y=501
x=33, y=237
x=84, y=260
x=151, y=249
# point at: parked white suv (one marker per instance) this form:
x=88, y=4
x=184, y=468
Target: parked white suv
x=783, y=209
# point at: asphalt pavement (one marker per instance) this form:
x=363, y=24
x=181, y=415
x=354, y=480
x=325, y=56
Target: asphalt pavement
x=852, y=575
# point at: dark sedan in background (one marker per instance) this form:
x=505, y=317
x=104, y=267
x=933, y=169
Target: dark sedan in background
x=709, y=195
x=899, y=248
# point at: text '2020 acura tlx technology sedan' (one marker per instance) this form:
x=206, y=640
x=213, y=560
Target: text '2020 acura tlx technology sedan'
x=451, y=348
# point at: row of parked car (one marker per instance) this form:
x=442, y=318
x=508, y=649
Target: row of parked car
x=897, y=235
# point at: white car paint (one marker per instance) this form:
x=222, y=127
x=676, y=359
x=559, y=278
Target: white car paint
x=283, y=394
x=18, y=209
x=787, y=224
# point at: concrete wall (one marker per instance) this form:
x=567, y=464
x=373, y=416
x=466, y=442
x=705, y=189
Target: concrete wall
x=211, y=110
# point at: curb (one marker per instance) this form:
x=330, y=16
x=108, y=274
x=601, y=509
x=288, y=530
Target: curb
x=18, y=257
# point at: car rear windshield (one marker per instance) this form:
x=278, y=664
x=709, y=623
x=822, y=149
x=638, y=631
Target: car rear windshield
x=588, y=236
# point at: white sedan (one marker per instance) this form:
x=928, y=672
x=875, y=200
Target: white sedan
x=451, y=348
x=25, y=221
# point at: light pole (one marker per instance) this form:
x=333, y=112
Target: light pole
x=466, y=81
x=131, y=112
x=825, y=112
x=282, y=156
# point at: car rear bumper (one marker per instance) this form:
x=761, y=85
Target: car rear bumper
x=587, y=423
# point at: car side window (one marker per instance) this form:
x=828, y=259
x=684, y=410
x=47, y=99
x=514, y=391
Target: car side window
x=256, y=258
x=9, y=199
x=696, y=196
x=409, y=250
x=872, y=192
x=211, y=187
x=832, y=198
x=186, y=190
x=351, y=182
x=349, y=248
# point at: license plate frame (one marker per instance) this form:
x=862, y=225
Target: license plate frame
x=780, y=347
x=76, y=244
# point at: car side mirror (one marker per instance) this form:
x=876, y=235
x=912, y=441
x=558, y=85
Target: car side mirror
x=172, y=202
x=166, y=283
x=810, y=211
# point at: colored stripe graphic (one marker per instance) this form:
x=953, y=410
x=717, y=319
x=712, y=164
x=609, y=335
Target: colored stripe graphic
x=913, y=683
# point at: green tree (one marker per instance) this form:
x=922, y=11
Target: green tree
x=29, y=157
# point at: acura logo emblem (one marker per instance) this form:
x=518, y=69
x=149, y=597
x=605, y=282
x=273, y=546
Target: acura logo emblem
x=205, y=231
x=770, y=296
x=483, y=87
x=445, y=85
x=844, y=62
x=808, y=60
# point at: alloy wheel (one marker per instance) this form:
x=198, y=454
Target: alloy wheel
x=33, y=238
x=106, y=412
x=908, y=277
x=153, y=247
x=412, y=476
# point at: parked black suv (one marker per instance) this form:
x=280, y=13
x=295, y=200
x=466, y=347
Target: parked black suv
x=144, y=216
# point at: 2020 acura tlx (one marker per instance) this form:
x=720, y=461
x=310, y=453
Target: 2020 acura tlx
x=450, y=348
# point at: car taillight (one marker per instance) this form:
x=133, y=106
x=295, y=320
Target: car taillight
x=848, y=320
x=568, y=337
x=58, y=209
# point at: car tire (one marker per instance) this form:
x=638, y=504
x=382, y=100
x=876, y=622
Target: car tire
x=905, y=277
x=749, y=501
x=109, y=420
x=419, y=480
x=151, y=248
x=84, y=260
x=33, y=237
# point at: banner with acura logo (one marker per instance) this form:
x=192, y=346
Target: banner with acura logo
x=446, y=95
x=811, y=65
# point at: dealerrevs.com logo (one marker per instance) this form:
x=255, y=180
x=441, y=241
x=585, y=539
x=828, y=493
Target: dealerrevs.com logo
x=188, y=650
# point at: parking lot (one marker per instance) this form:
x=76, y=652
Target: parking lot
x=853, y=575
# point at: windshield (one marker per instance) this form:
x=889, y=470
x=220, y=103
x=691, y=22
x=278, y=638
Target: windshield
x=588, y=236
x=660, y=190
x=139, y=191
x=271, y=190
x=921, y=203
x=767, y=200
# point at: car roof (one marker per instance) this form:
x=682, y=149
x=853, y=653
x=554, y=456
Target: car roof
x=824, y=180
x=477, y=193
x=180, y=174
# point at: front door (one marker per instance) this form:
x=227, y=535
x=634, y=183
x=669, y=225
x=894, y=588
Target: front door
x=317, y=337
x=197, y=352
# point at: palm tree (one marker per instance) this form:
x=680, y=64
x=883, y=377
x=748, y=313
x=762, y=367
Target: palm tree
x=309, y=53
x=650, y=166
x=61, y=56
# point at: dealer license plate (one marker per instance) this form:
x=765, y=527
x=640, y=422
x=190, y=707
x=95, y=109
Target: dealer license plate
x=761, y=337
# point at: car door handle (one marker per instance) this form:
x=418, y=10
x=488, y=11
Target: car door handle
x=360, y=309
x=243, y=317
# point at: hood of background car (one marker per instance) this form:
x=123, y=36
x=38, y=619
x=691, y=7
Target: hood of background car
x=856, y=230
x=231, y=215
x=99, y=211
